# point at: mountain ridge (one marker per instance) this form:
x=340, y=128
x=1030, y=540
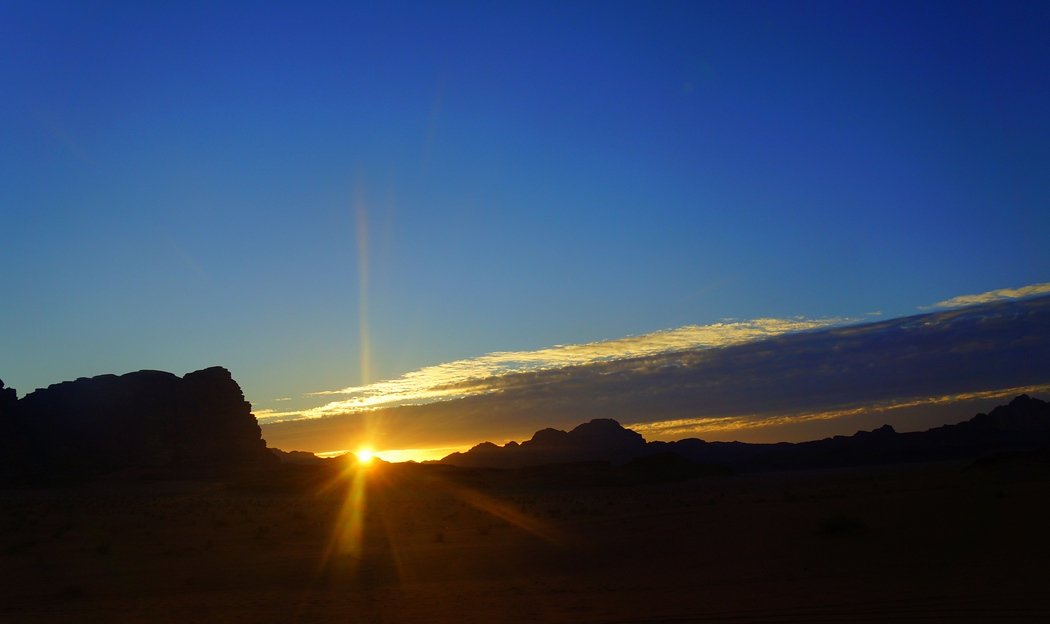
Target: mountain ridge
x=1021, y=425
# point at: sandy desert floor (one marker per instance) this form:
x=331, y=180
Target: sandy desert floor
x=932, y=542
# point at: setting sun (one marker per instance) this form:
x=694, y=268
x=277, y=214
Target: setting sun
x=365, y=455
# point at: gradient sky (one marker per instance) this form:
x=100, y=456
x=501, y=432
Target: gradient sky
x=324, y=195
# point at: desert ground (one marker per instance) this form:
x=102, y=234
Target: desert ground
x=957, y=541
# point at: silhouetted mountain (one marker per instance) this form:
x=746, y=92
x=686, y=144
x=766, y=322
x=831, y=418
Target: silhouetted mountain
x=8, y=443
x=298, y=457
x=145, y=419
x=1023, y=425
x=601, y=439
x=8, y=398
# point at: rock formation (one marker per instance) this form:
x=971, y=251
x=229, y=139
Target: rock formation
x=601, y=439
x=8, y=443
x=145, y=419
x=8, y=398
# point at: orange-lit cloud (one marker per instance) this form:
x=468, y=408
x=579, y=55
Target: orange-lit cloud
x=994, y=295
x=742, y=386
x=689, y=427
x=484, y=374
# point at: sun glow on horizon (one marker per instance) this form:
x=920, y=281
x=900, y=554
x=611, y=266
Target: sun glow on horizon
x=394, y=456
x=358, y=534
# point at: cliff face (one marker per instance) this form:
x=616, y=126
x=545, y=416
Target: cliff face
x=8, y=398
x=148, y=419
x=8, y=403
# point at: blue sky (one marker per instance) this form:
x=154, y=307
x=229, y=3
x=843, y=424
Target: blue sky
x=189, y=185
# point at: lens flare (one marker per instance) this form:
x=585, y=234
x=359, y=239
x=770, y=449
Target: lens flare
x=348, y=532
x=365, y=455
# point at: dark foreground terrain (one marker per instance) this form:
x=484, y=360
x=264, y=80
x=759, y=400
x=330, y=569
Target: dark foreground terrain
x=949, y=541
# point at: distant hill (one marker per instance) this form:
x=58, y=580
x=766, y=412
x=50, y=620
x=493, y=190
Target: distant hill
x=146, y=419
x=1023, y=425
x=601, y=439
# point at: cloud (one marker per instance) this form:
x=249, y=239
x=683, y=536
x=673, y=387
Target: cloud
x=1000, y=294
x=809, y=379
x=487, y=373
x=680, y=428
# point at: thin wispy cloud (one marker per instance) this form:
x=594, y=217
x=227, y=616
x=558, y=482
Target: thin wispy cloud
x=999, y=294
x=491, y=372
x=685, y=427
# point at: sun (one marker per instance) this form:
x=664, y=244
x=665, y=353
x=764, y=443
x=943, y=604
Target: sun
x=365, y=455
